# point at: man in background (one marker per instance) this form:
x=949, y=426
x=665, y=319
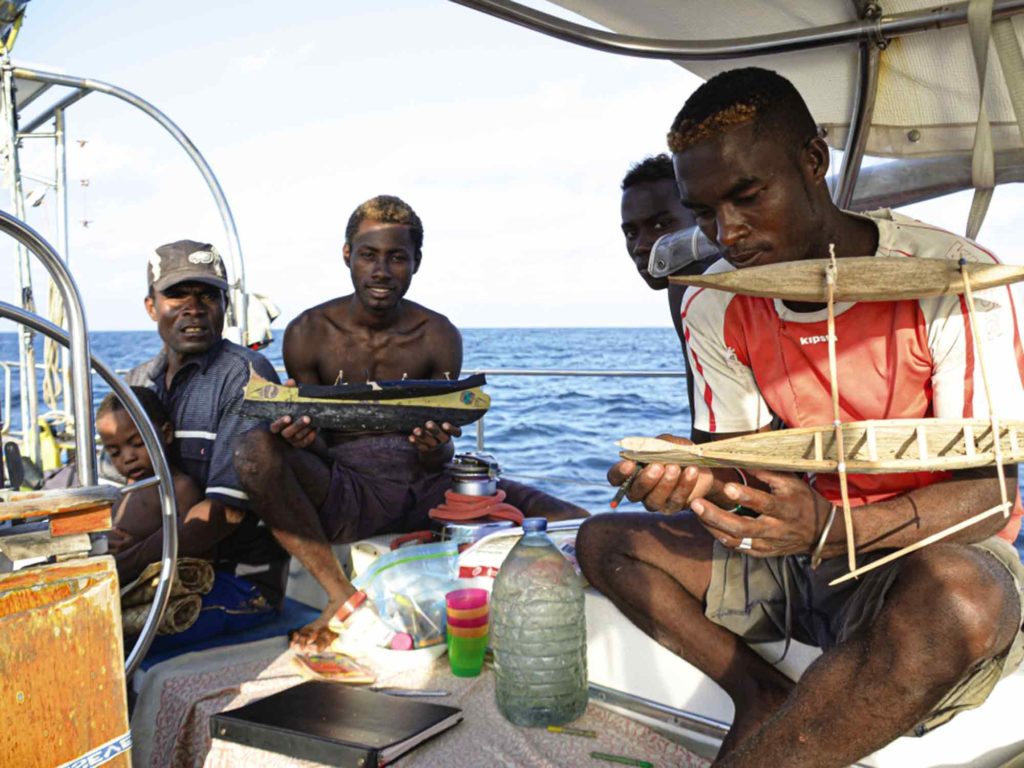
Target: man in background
x=314, y=489
x=650, y=209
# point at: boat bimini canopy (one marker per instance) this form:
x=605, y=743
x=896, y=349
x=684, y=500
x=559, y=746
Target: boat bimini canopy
x=898, y=79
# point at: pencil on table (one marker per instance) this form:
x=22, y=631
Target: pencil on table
x=621, y=760
x=624, y=488
x=573, y=731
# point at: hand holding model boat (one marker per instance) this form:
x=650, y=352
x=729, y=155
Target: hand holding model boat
x=665, y=486
x=386, y=406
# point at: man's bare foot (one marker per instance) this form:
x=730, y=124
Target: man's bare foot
x=317, y=635
x=756, y=709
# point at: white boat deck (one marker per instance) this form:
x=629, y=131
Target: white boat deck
x=623, y=658
x=666, y=692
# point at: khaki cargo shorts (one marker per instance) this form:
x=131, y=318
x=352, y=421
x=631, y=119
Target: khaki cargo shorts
x=750, y=597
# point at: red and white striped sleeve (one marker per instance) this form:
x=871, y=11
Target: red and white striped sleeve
x=725, y=395
x=958, y=389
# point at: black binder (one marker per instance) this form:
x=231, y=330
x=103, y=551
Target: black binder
x=334, y=724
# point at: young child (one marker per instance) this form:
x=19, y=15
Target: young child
x=136, y=538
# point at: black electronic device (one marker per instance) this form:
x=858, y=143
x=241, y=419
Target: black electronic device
x=334, y=724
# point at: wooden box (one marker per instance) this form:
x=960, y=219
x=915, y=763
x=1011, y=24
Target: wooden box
x=62, y=681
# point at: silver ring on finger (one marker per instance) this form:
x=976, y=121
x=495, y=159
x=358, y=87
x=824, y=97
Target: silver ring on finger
x=745, y=544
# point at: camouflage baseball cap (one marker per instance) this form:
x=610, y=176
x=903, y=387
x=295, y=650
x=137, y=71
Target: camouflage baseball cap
x=186, y=260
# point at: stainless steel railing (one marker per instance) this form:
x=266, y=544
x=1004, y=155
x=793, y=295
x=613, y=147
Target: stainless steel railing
x=76, y=339
x=880, y=27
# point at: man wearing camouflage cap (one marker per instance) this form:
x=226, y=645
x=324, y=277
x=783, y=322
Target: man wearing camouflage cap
x=200, y=376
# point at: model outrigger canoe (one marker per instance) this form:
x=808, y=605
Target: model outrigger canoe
x=894, y=445
x=384, y=406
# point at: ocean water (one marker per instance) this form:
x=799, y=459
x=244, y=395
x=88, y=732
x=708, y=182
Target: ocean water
x=555, y=432
x=560, y=428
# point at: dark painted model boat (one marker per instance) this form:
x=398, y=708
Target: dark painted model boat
x=384, y=406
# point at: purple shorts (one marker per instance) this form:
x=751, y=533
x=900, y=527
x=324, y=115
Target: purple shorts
x=378, y=486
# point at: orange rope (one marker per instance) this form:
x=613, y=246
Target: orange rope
x=461, y=507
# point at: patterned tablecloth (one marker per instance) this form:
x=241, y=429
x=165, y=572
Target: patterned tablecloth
x=170, y=722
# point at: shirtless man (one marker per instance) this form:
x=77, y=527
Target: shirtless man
x=315, y=489
x=908, y=645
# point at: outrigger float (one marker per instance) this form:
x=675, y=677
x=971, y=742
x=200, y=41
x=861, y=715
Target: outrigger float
x=858, y=278
x=377, y=406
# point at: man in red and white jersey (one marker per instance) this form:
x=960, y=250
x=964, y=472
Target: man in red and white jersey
x=910, y=644
x=752, y=357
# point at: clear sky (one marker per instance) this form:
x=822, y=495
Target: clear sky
x=510, y=146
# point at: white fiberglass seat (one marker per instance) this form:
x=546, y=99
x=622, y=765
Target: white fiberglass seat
x=625, y=660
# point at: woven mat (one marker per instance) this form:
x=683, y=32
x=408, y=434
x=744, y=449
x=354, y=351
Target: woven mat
x=187, y=698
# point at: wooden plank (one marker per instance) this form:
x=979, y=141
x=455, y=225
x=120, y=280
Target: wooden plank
x=87, y=520
x=27, y=546
x=18, y=506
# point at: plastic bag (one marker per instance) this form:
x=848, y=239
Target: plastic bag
x=407, y=587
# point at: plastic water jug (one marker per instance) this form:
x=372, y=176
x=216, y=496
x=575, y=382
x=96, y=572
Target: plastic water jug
x=539, y=633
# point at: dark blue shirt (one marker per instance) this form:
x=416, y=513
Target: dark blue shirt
x=203, y=401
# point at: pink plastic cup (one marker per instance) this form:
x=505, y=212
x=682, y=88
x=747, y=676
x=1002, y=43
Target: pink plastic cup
x=467, y=608
x=466, y=600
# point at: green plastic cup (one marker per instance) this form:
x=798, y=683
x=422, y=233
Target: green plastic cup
x=466, y=654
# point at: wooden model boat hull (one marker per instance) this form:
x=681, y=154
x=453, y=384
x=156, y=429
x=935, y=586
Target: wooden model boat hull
x=871, y=447
x=379, y=407
x=859, y=278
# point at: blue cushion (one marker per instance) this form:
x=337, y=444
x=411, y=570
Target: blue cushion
x=292, y=616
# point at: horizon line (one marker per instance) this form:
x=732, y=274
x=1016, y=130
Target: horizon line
x=464, y=328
